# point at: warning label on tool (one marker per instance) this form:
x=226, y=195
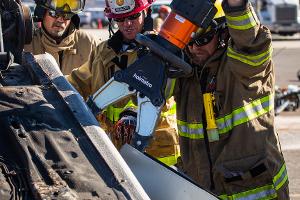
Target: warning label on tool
x=179, y=18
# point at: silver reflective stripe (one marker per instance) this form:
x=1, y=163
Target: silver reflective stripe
x=259, y=195
x=192, y=131
x=281, y=177
x=252, y=60
x=250, y=111
x=188, y=130
x=264, y=192
x=225, y=124
x=244, y=22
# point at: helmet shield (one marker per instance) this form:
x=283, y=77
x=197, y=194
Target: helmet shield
x=71, y=6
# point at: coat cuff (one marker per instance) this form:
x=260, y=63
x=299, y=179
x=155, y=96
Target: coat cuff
x=230, y=9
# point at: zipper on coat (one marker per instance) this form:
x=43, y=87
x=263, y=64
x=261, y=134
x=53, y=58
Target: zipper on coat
x=202, y=82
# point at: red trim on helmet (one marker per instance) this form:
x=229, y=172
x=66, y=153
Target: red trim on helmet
x=109, y=14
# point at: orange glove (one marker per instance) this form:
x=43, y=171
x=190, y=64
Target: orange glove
x=124, y=129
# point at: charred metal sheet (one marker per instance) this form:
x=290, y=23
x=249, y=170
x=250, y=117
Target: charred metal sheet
x=48, y=131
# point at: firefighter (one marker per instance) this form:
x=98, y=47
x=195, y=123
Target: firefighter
x=225, y=110
x=59, y=34
x=163, y=13
x=117, y=53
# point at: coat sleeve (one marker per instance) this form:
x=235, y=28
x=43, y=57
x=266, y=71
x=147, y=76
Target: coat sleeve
x=249, y=48
x=88, y=77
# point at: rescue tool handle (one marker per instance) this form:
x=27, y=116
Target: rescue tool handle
x=164, y=54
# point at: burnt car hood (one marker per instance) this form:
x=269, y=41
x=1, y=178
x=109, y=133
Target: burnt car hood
x=51, y=146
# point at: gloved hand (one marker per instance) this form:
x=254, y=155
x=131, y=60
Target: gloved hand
x=124, y=129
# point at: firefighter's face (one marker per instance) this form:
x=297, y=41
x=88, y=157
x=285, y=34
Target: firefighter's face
x=200, y=54
x=56, y=26
x=132, y=25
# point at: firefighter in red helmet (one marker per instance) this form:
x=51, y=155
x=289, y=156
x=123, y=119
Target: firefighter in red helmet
x=117, y=53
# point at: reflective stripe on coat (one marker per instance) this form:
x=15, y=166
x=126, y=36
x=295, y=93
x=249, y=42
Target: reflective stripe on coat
x=246, y=161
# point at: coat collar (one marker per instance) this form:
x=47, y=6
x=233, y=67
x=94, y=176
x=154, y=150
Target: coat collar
x=66, y=44
x=118, y=45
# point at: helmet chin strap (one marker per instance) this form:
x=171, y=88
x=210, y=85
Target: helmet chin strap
x=110, y=28
x=148, y=23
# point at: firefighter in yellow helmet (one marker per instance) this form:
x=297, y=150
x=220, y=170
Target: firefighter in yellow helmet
x=118, y=52
x=59, y=34
x=225, y=110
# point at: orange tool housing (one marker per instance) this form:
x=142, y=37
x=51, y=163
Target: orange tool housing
x=177, y=30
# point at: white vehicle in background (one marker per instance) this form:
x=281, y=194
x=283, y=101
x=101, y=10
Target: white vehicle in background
x=280, y=16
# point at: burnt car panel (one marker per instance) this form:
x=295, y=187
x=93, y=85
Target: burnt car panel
x=50, y=144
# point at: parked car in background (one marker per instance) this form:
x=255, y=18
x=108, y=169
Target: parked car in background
x=97, y=15
x=85, y=18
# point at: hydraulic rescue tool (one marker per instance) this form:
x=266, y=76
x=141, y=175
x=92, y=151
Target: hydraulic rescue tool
x=147, y=77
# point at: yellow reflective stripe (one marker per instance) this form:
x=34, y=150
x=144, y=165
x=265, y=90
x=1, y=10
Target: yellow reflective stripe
x=261, y=193
x=225, y=124
x=171, y=111
x=264, y=192
x=190, y=130
x=244, y=22
x=280, y=178
x=169, y=160
x=244, y=114
x=254, y=61
x=170, y=88
x=113, y=113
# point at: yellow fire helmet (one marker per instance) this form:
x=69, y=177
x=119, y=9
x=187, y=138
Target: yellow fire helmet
x=71, y=6
x=204, y=36
x=220, y=13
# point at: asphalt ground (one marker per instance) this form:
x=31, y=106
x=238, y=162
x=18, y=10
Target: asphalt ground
x=286, y=57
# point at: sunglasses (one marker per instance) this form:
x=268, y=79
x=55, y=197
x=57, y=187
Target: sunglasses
x=65, y=16
x=131, y=17
x=204, y=39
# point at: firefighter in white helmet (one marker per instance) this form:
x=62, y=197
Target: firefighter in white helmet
x=118, y=52
x=59, y=34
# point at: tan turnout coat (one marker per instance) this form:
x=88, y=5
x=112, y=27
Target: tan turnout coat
x=246, y=161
